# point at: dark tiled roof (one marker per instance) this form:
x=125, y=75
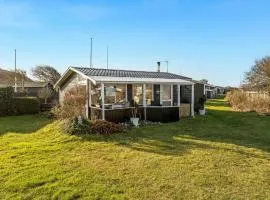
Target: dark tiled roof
x=128, y=73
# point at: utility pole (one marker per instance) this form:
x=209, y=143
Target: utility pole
x=91, y=53
x=15, y=78
x=107, y=57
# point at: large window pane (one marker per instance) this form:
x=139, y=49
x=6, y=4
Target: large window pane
x=115, y=93
x=120, y=94
x=137, y=93
x=148, y=94
x=110, y=94
x=166, y=93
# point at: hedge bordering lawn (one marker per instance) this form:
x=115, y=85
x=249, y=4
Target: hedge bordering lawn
x=10, y=105
x=26, y=105
x=6, y=101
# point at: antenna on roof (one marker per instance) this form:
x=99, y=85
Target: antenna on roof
x=164, y=61
x=107, y=57
x=15, y=78
x=91, y=53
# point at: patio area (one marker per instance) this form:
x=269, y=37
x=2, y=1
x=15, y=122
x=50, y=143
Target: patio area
x=154, y=102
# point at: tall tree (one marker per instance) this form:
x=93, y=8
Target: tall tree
x=46, y=73
x=259, y=75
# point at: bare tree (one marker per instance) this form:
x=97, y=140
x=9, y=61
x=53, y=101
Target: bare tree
x=46, y=73
x=259, y=75
x=45, y=93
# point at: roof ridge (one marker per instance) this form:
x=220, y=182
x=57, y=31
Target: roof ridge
x=124, y=70
x=132, y=71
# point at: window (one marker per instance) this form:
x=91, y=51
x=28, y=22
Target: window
x=96, y=95
x=110, y=96
x=148, y=94
x=166, y=93
x=115, y=93
x=137, y=94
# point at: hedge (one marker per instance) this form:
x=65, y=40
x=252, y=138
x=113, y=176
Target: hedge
x=10, y=105
x=26, y=105
x=6, y=101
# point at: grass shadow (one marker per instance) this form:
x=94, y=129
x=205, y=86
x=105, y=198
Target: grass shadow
x=23, y=124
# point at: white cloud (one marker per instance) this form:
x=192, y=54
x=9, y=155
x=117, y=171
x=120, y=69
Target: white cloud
x=16, y=15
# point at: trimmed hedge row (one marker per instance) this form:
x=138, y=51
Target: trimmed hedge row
x=6, y=101
x=26, y=105
x=10, y=105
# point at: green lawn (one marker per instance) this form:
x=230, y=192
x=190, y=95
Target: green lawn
x=225, y=155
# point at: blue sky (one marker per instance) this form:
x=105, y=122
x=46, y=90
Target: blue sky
x=214, y=39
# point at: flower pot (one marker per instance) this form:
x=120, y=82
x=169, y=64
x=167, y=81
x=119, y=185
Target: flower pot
x=202, y=111
x=134, y=121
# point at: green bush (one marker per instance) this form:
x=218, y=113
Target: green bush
x=105, y=128
x=6, y=101
x=73, y=126
x=26, y=105
x=78, y=126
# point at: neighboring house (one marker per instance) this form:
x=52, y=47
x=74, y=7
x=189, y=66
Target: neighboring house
x=33, y=89
x=7, y=78
x=112, y=93
x=220, y=90
x=210, y=91
x=213, y=91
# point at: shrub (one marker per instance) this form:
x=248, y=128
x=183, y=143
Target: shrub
x=105, y=127
x=73, y=104
x=6, y=101
x=76, y=126
x=26, y=105
x=242, y=102
x=202, y=101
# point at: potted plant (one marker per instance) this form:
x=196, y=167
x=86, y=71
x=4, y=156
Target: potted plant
x=135, y=119
x=202, y=101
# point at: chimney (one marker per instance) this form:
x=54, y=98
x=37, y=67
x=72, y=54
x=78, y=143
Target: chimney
x=158, y=66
